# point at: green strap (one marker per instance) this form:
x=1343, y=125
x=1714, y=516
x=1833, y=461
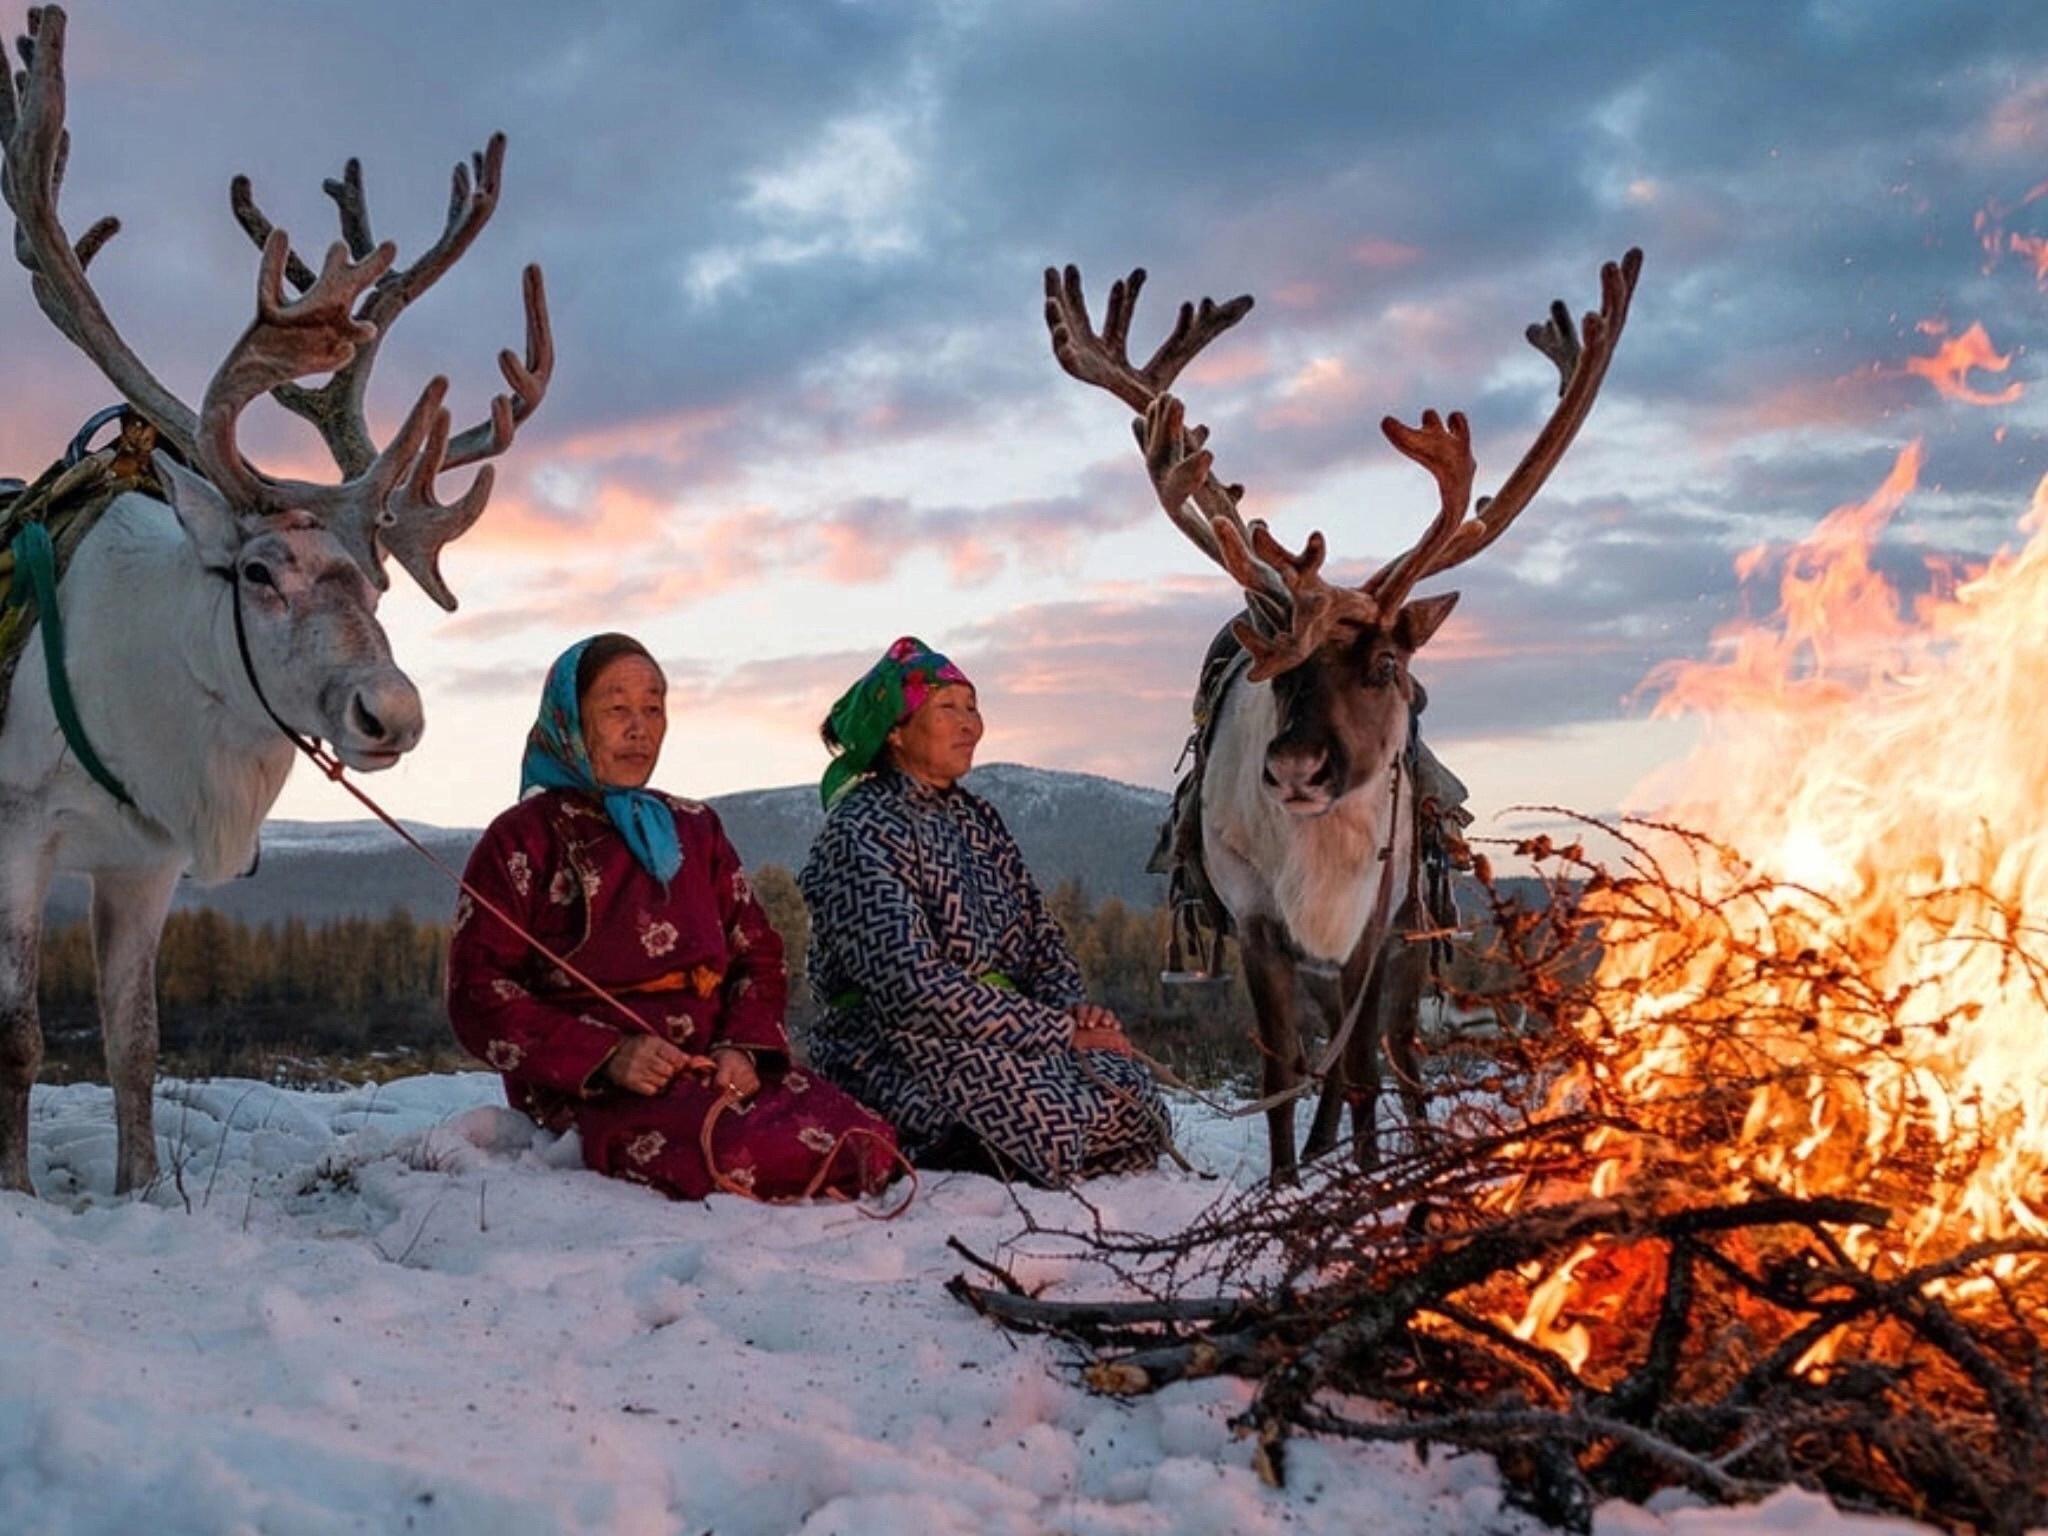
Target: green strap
x=853, y=997
x=35, y=558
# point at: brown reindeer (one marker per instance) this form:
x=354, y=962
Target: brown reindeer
x=1307, y=793
x=211, y=604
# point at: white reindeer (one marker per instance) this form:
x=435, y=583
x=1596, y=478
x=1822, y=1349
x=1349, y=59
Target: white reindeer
x=1307, y=825
x=196, y=632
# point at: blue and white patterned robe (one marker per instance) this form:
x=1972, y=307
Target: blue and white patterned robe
x=918, y=898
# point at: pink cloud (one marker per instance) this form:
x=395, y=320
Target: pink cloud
x=1322, y=390
x=1382, y=255
x=2019, y=119
x=611, y=514
x=851, y=554
x=1800, y=404
x=684, y=559
x=1230, y=365
x=35, y=427
x=972, y=561
x=677, y=438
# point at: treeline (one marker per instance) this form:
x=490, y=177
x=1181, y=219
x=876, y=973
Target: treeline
x=344, y=1000
x=207, y=960
x=313, y=1002
x=290, y=1001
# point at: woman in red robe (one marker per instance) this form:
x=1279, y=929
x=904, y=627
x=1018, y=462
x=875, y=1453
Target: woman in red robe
x=642, y=893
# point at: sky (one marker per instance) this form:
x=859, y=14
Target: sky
x=804, y=400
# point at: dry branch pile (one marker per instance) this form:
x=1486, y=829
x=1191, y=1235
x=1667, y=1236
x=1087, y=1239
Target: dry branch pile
x=1721, y=1249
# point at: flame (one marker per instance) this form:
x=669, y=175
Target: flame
x=1955, y=359
x=1997, y=240
x=1887, y=760
x=2035, y=249
x=1547, y=1302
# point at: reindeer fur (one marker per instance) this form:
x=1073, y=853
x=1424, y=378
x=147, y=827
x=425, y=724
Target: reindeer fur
x=151, y=599
x=1320, y=878
x=170, y=708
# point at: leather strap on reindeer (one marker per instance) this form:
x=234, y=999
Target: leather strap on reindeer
x=35, y=574
x=1200, y=926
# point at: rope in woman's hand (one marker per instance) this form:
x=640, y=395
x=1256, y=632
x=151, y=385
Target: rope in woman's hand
x=727, y=1183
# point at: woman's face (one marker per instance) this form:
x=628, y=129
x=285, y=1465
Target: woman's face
x=937, y=743
x=625, y=716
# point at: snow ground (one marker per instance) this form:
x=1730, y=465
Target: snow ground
x=404, y=1309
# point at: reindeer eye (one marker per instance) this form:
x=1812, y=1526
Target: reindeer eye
x=1385, y=669
x=257, y=574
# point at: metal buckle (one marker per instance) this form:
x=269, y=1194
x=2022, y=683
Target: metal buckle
x=81, y=443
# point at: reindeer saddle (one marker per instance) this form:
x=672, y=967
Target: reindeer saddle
x=66, y=500
x=1201, y=925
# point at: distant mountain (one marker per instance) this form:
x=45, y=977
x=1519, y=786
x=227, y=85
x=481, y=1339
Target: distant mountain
x=1070, y=826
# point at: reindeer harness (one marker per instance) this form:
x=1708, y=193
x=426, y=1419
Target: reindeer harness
x=1201, y=924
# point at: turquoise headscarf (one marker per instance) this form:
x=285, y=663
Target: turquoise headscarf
x=557, y=759
x=889, y=693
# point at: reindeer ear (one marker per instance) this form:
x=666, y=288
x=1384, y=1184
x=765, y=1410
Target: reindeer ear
x=208, y=520
x=1420, y=619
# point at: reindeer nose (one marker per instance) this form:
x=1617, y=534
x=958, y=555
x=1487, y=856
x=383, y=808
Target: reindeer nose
x=367, y=724
x=1292, y=774
x=387, y=715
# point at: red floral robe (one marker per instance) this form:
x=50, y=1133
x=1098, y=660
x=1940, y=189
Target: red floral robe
x=700, y=965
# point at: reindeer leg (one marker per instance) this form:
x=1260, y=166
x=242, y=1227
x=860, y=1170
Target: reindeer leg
x=1403, y=978
x=21, y=1053
x=1329, y=1117
x=128, y=909
x=1393, y=994
x=24, y=883
x=1269, y=974
x=1362, y=973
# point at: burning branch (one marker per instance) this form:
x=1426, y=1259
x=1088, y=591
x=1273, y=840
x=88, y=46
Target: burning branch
x=1687, y=1248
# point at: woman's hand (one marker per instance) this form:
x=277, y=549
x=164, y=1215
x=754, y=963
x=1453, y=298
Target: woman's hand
x=735, y=1073
x=645, y=1064
x=1097, y=1029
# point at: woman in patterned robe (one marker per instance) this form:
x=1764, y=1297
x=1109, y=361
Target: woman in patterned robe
x=642, y=893
x=950, y=999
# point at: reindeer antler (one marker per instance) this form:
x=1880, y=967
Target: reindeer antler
x=34, y=146
x=1170, y=451
x=334, y=325
x=336, y=408
x=419, y=526
x=1293, y=609
x=391, y=501
x=1320, y=609
x=1315, y=607
x=1582, y=365
x=1445, y=450
x=527, y=380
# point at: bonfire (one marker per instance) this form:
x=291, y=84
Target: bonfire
x=1754, y=1189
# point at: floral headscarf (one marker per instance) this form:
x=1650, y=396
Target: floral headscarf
x=557, y=759
x=893, y=690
